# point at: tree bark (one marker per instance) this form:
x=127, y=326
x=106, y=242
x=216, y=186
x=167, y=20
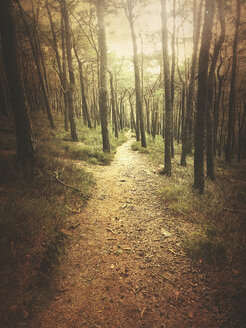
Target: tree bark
x=103, y=93
x=139, y=103
x=70, y=91
x=190, y=96
x=38, y=67
x=24, y=134
x=202, y=96
x=168, y=105
x=115, y=124
x=230, y=128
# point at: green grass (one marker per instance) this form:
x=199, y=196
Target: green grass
x=136, y=146
x=89, y=148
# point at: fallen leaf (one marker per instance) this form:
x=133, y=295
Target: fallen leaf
x=191, y=315
x=177, y=295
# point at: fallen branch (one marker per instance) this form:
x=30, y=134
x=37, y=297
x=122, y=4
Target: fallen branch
x=65, y=184
x=170, y=250
x=232, y=210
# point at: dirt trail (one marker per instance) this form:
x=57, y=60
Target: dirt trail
x=125, y=267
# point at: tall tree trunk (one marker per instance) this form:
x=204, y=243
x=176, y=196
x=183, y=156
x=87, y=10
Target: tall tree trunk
x=190, y=97
x=210, y=137
x=240, y=133
x=173, y=72
x=85, y=110
x=202, y=95
x=38, y=67
x=114, y=118
x=139, y=103
x=102, y=48
x=64, y=73
x=70, y=91
x=24, y=134
x=168, y=105
x=230, y=134
x=55, y=44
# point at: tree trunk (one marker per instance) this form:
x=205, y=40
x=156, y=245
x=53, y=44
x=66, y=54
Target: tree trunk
x=64, y=74
x=85, y=110
x=202, y=96
x=240, y=134
x=168, y=105
x=173, y=73
x=24, y=134
x=37, y=63
x=210, y=136
x=230, y=133
x=102, y=47
x=114, y=118
x=189, y=103
x=139, y=103
x=70, y=91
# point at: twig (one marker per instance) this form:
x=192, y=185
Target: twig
x=218, y=315
x=232, y=210
x=108, y=229
x=64, y=184
x=170, y=250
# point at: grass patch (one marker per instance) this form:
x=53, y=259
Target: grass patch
x=205, y=247
x=217, y=218
x=136, y=146
x=89, y=148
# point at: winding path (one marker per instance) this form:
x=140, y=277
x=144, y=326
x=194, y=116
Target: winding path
x=125, y=267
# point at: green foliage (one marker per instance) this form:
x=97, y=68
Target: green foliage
x=88, y=149
x=136, y=146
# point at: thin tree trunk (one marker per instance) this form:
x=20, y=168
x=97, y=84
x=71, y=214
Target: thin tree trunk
x=210, y=137
x=116, y=133
x=189, y=103
x=64, y=73
x=202, y=96
x=139, y=103
x=70, y=91
x=102, y=48
x=168, y=105
x=230, y=134
x=85, y=110
x=173, y=72
x=37, y=63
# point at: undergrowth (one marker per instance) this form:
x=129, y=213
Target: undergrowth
x=216, y=219
x=88, y=149
x=36, y=208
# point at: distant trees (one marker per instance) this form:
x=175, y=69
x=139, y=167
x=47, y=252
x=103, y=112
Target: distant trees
x=165, y=92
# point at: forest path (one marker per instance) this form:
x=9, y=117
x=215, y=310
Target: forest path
x=125, y=267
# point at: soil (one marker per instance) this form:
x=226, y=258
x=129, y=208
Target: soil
x=125, y=267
